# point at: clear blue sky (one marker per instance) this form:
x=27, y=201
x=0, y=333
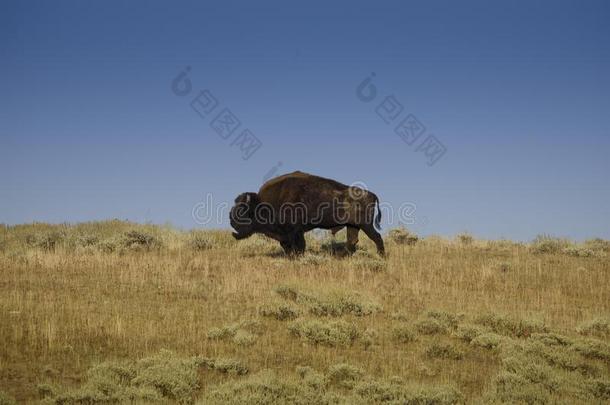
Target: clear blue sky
x=518, y=92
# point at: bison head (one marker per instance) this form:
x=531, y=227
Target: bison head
x=242, y=215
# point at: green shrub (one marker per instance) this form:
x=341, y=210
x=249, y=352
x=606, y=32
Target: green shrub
x=600, y=389
x=403, y=334
x=199, y=241
x=47, y=241
x=599, y=327
x=45, y=390
x=580, y=251
x=171, y=376
x=430, y=326
x=292, y=292
x=394, y=392
x=344, y=384
x=444, y=351
x=399, y=316
x=110, y=245
x=264, y=387
x=5, y=399
x=551, y=339
x=545, y=369
x=369, y=338
x=438, y=322
x=225, y=366
x=468, y=332
x=280, y=310
x=140, y=240
x=593, y=349
x=503, y=245
x=244, y=338
x=86, y=240
x=598, y=245
x=402, y=236
x=243, y=333
x=548, y=244
x=488, y=340
x=465, y=239
x=312, y=378
x=511, y=327
x=257, y=245
x=449, y=320
x=310, y=259
x=337, y=333
x=344, y=375
x=588, y=348
x=220, y=333
x=512, y=388
x=531, y=371
x=329, y=302
x=364, y=260
x=160, y=377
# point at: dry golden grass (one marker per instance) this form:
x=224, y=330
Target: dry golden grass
x=435, y=313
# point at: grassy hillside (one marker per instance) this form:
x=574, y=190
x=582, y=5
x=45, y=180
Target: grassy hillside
x=115, y=311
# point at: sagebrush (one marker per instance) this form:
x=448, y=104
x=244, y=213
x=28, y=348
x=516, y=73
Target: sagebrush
x=119, y=312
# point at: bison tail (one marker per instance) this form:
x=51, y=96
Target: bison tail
x=378, y=216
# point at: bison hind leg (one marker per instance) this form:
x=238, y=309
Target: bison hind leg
x=375, y=236
x=286, y=245
x=299, y=242
x=333, y=238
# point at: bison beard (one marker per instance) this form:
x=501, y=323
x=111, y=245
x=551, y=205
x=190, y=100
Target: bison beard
x=287, y=206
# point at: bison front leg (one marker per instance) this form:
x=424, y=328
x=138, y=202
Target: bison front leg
x=299, y=243
x=294, y=244
x=287, y=246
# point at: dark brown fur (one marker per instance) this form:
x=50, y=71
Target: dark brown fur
x=288, y=206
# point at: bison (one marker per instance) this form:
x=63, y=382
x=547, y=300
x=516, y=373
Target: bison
x=287, y=206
